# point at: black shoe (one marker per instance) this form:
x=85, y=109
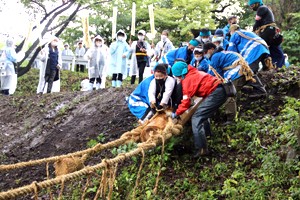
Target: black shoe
x=227, y=123
x=258, y=96
x=201, y=153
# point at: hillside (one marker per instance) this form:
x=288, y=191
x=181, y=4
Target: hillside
x=248, y=159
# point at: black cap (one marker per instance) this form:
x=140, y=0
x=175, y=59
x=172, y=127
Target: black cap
x=162, y=68
x=208, y=46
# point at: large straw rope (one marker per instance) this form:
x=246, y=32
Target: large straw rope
x=170, y=130
x=132, y=135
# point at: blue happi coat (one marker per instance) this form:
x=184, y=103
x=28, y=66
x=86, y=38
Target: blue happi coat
x=225, y=31
x=171, y=56
x=203, y=66
x=223, y=59
x=251, y=50
x=138, y=101
x=225, y=44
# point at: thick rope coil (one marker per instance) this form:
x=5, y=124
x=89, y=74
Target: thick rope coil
x=48, y=177
x=29, y=189
x=126, y=137
x=35, y=188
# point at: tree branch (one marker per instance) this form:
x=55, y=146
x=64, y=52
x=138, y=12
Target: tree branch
x=222, y=10
x=66, y=23
x=41, y=5
x=71, y=2
x=94, y=4
x=24, y=70
x=19, y=47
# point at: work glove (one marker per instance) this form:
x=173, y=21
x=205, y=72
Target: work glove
x=174, y=116
x=152, y=105
x=159, y=108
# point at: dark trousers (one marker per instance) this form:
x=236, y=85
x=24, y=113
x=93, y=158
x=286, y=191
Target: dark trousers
x=5, y=92
x=119, y=76
x=81, y=67
x=275, y=50
x=98, y=80
x=258, y=87
x=277, y=55
x=141, y=66
x=206, y=110
x=230, y=105
x=51, y=80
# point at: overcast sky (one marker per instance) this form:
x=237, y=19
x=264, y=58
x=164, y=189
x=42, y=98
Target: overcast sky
x=14, y=20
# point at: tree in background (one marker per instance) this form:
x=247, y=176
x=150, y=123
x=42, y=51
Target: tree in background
x=177, y=16
x=48, y=23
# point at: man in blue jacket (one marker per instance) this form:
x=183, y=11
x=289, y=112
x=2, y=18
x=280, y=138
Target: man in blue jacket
x=231, y=67
x=255, y=50
x=200, y=61
x=220, y=39
x=226, y=31
x=185, y=53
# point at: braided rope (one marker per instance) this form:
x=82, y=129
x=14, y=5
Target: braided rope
x=112, y=179
x=132, y=135
x=29, y=189
x=87, y=184
x=160, y=163
x=139, y=174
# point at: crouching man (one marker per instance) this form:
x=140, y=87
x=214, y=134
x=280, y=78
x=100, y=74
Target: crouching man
x=201, y=84
x=160, y=90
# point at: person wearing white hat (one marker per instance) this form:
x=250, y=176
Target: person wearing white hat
x=79, y=53
x=66, y=52
x=7, y=70
x=140, y=51
x=118, y=52
x=200, y=61
x=97, y=56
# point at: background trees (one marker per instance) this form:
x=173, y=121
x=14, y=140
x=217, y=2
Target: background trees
x=63, y=19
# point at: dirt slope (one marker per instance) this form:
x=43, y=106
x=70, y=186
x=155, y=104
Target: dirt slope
x=54, y=124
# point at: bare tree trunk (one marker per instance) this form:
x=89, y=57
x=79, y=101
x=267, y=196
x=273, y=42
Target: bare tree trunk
x=22, y=71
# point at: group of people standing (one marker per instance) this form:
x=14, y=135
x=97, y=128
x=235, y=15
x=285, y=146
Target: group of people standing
x=214, y=67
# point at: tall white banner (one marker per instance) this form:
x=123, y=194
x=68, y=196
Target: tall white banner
x=133, y=16
x=114, y=22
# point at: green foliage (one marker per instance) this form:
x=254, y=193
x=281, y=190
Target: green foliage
x=27, y=84
x=93, y=142
x=176, y=16
x=292, y=39
x=256, y=170
x=123, y=149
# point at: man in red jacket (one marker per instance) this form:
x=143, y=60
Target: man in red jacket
x=201, y=84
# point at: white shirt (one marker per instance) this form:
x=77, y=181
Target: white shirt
x=169, y=87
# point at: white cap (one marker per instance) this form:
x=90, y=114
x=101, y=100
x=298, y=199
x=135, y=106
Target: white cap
x=142, y=32
x=217, y=39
